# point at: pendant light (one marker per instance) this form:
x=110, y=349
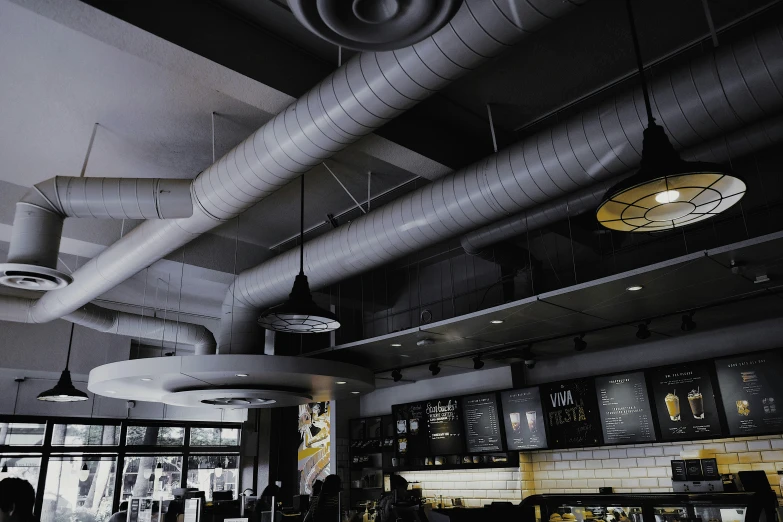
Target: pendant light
x=666, y=192
x=158, y=470
x=84, y=473
x=299, y=314
x=4, y=474
x=64, y=390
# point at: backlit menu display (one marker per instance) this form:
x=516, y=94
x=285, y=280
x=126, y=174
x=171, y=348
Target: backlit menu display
x=684, y=401
x=625, y=411
x=572, y=418
x=524, y=419
x=751, y=388
x=445, y=427
x=482, y=425
x=411, y=438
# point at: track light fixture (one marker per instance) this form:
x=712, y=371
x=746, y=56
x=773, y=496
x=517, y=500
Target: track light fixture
x=396, y=375
x=434, y=368
x=688, y=323
x=643, y=332
x=580, y=344
x=530, y=364
x=477, y=363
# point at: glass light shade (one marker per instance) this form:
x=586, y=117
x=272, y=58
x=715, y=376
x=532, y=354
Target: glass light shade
x=84, y=473
x=668, y=192
x=63, y=391
x=158, y=470
x=4, y=474
x=299, y=314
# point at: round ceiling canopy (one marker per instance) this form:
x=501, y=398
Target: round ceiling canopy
x=230, y=381
x=374, y=25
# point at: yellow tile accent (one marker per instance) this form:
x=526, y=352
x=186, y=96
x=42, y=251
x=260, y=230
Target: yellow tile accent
x=748, y=457
x=727, y=458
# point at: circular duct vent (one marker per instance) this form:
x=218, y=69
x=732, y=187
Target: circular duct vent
x=32, y=277
x=374, y=25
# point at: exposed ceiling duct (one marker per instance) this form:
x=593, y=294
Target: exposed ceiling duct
x=735, y=85
x=376, y=25
x=362, y=95
x=38, y=221
x=747, y=140
x=17, y=309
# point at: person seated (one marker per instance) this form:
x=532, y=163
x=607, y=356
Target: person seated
x=387, y=506
x=122, y=514
x=326, y=507
x=17, y=499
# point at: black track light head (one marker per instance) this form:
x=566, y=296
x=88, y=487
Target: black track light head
x=434, y=368
x=580, y=344
x=643, y=332
x=530, y=364
x=396, y=375
x=477, y=363
x=688, y=324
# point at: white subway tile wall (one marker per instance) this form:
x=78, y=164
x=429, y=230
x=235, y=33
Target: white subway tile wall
x=642, y=468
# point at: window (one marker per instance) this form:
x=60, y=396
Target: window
x=21, y=466
x=79, y=488
x=213, y=473
x=155, y=436
x=85, y=435
x=21, y=434
x=214, y=436
x=140, y=476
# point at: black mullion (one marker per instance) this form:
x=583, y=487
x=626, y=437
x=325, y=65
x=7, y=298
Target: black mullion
x=185, y=456
x=45, y=456
x=118, y=479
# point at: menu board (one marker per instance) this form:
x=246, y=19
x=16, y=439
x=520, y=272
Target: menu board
x=524, y=419
x=685, y=402
x=411, y=429
x=571, y=410
x=625, y=411
x=482, y=425
x=444, y=423
x=751, y=388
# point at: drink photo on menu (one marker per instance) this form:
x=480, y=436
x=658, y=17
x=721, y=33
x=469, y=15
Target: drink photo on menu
x=523, y=419
x=684, y=400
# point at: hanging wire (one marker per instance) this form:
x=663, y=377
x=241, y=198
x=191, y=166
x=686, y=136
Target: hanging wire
x=731, y=166
x=89, y=150
x=492, y=129
x=234, y=289
x=16, y=400
x=640, y=64
x=529, y=256
x=708, y=15
x=213, y=137
x=165, y=313
x=143, y=304
x=571, y=238
x=70, y=343
x=179, y=300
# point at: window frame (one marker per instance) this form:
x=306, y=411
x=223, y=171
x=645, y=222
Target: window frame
x=45, y=451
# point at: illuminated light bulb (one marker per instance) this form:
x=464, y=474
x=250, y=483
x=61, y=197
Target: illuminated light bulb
x=669, y=196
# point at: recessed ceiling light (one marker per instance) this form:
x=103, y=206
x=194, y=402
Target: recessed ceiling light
x=111, y=391
x=356, y=393
x=404, y=355
x=146, y=379
x=396, y=345
x=496, y=321
x=241, y=375
x=634, y=288
x=340, y=382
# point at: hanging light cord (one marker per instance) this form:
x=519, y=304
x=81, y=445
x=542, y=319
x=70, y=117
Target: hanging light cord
x=640, y=64
x=301, y=227
x=70, y=342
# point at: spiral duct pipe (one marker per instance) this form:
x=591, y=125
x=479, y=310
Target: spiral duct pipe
x=360, y=96
x=18, y=309
x=712, y=95
x=745, y=141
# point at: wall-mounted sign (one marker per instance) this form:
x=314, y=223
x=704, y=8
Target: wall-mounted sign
x=572, y=417
x=524, y=419
x=625, y=411
x=751, y=388
x=482, y=423
x=411, y=434
x=684, y=401
x=444, y=420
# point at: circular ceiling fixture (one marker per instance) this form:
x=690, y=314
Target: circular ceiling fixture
x=374, y=25
x=230, y=381
x=32, y=277
x=666, y=192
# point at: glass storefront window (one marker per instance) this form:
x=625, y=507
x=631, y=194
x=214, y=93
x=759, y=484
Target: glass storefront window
x=79, y=488
x=139, y=478
x=155, y=436
x=21, y=466
x=214, y=436
x=85, y=435
x=211, y=473
x=22, y=433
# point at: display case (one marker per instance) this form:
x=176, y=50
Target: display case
x=651, y=507
x=370, y=450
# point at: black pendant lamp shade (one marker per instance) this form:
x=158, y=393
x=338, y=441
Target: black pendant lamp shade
x=64, y=390
x=299, y=314
x=666, y=192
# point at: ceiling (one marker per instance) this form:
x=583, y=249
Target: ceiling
x=153, y=76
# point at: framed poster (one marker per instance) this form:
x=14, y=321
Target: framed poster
x=571, y=412
x=482, y=423
x=684, y=400
x=751, y=388
x=524, y=419
x=626, y=417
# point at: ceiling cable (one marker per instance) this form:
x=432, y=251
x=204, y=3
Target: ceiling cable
x=492, y=129
x=344, y=188
x=89, y=150
x=213, y=137
x=165, y=313
x=18, y=382
x=234, y=289
x=179, y=300
x=708, y=15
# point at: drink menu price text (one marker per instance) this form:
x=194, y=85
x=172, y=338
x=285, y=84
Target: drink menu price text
x=482, y=426
x=625, y=409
